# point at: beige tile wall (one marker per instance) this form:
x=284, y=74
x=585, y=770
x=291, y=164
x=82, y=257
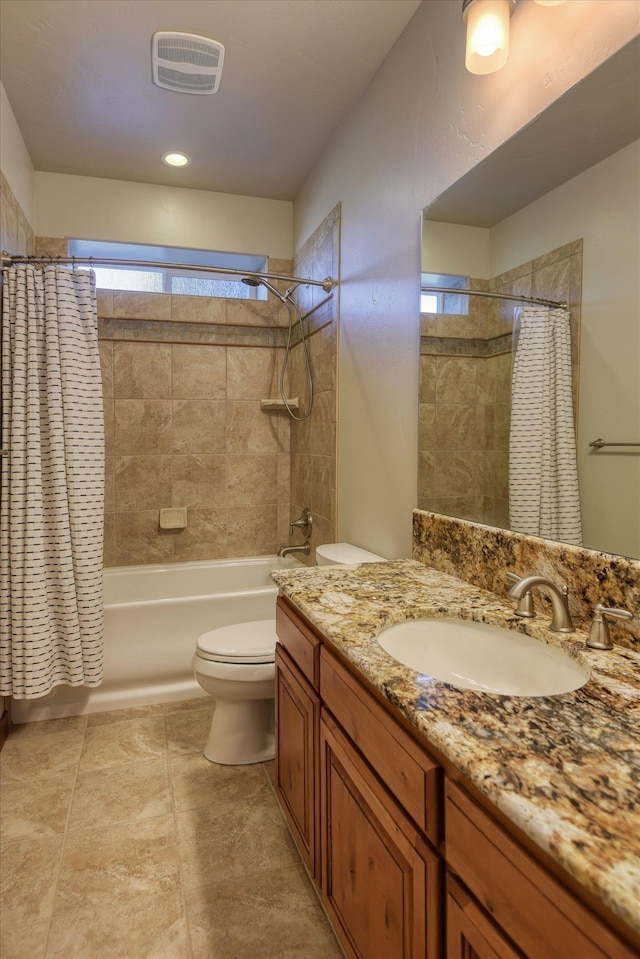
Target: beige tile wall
x=465, y=400
x=16, y=235
x=184, y=427
x=313, y=442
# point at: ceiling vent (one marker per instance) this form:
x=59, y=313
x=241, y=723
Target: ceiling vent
x=186, y=63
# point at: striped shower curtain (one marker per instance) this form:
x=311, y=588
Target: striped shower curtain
x=51, y=513
x=544, y=499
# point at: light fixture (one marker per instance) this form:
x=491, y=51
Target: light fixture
x=549, y=3
x=174, y=158
x=487, y=34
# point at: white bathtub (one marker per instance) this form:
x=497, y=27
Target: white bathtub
x=153, y=616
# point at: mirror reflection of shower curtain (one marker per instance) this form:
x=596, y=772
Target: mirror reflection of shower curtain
x=544, y=498
x=51, y=517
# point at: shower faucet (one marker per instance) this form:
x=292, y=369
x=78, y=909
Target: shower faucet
x=304, y=522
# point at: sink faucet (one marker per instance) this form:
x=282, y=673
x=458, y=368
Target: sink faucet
x=285, y=550
x=561, y=621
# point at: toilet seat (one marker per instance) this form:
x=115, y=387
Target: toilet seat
x=241, y=643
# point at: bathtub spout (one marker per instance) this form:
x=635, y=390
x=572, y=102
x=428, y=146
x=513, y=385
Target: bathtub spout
x=285, y=550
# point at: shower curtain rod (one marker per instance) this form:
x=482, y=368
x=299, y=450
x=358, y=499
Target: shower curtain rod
x=562, y=304
x=9, y=259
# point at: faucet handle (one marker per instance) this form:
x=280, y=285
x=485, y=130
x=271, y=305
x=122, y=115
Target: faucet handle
x=599, y=636
x=524, y=609
x=304, y=522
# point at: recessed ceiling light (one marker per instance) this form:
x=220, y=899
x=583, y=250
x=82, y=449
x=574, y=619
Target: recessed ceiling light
x=173, y=158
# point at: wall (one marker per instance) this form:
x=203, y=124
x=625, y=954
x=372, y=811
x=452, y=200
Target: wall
x=422, y=122
x=313, y=440
x=601, y=206
x=15, y=163
x=183, y=378
x=96, y=209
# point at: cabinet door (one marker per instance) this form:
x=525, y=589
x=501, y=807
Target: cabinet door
x=380, y=879
x=297, y=721
x=470, y=935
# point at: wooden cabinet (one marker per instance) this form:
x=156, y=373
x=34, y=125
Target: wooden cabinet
x=470, y=935
x=380, y=879
x=297, y=708
x=366, y=804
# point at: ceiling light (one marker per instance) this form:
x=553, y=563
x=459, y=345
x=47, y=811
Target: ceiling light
x=173, y=158
x=487, y=34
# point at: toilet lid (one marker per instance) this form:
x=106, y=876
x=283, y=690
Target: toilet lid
x=240, y=643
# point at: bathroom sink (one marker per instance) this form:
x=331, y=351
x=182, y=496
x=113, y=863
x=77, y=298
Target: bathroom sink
x=488, y=659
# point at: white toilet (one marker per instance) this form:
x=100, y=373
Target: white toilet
x=236, y=665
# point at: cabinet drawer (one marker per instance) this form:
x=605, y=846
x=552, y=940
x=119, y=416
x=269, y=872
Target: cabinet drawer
x=299, y=641
x=407, y=771
x=540, y=916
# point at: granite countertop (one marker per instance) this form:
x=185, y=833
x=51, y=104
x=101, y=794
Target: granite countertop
x=564, y=769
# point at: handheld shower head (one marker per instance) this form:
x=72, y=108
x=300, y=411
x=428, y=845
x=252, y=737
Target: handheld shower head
x=254, y=281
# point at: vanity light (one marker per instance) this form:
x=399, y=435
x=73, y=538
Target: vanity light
x=549, y=3
x=487, y=34
x=173, y=158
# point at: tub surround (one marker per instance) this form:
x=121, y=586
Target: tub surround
x=563, y=769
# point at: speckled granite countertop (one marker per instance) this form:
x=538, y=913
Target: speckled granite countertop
x=564, y=769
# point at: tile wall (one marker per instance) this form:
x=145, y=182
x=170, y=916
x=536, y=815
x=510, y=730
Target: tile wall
x=465, y=386
x=16, y=235
x=183, y=378
x=313, y=442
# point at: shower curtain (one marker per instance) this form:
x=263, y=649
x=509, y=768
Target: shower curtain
x=51, y=513
x=544, y=499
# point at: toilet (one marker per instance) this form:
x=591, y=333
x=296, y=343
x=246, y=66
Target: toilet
x=236, y=666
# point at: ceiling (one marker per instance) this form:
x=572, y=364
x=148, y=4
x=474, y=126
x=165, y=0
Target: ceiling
x=78, y=76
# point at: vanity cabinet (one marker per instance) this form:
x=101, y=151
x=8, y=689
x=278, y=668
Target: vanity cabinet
x=408, y=864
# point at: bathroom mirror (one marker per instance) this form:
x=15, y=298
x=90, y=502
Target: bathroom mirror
x=552, y=213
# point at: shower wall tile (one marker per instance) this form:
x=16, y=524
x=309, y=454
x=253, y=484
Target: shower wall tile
x=142, y=426
x=198, y=372
x=141, y=482
x=255, y=312
x=204, y=538
x=142, y=306
x=200, y=426
x=198, y=309
x=16, y=235
x=106, y=367
x=142, y=370
x=249, y=433
x=109, y=483
x=109, y=549
x=140, y=540
x=252, y=530
x=252, y=373
x=199, y=481
x=252, y=479
x=104, y=302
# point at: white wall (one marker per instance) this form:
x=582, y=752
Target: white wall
x=455, y=250
x=601, y=206
x=15, y=161
x=422, y=122
x=89, y=208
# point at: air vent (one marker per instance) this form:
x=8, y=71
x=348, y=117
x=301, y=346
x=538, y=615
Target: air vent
x=186, y=63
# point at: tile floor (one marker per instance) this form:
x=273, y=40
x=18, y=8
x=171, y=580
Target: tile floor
x=119, y=839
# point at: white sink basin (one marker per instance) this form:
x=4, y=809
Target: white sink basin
x=488, y=659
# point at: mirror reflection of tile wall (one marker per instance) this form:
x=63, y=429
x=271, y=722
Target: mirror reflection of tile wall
x=465, y=386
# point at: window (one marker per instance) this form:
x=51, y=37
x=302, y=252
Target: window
x=170, y=278
x=452, y=303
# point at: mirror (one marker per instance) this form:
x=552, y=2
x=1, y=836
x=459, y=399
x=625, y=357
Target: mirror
x=552, y=213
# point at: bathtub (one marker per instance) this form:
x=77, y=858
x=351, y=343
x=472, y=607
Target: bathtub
x=153, y=616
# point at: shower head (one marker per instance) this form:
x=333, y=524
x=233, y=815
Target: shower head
x=255, y=281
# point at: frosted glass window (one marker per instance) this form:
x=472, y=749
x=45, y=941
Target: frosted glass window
x=136, y=281
x=201, y=286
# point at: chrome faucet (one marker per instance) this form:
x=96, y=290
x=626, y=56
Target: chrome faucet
x=561, y=621
x=285, y=550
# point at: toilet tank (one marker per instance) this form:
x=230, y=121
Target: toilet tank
x=335, y=554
